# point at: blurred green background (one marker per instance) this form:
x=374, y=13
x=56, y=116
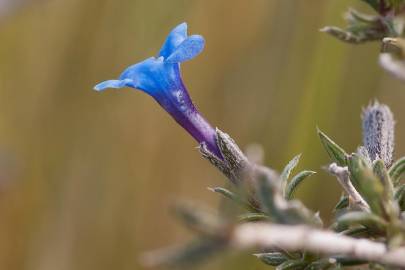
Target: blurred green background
x=87, y=178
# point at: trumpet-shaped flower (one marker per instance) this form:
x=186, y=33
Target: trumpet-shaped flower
x=160, y=78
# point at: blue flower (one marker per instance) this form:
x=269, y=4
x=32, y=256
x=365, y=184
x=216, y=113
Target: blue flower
x=160, y=78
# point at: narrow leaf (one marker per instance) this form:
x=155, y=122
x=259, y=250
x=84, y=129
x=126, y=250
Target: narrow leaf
x=285, y=174
x=233, y=197
x=388, y=194
x=276, y=207
x=249, y=217
x=188, y=255
x=400, y=197
x=344, y=35
x=361, y=218
x=342, y=203
x=367, y=184
x=292, y=265
x=381, y=172
x=348, y=261
x=266, y=191
x=273, y=258
x=198, y=219
x=397, y=171
x=295, y=182
x=334, y=151
x=373, y=3
x=358, y=232
x=325, y=263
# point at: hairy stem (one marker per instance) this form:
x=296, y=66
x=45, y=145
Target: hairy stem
x=298, y=238
x=342, y=175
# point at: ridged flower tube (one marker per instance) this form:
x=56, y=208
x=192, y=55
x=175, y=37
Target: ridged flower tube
x=160, y=78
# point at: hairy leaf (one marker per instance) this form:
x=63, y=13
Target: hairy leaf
x=292, y=265
x=266, y=191
x=367, y=184
x=348, y=261
x=342, y=203
x=375, y=4
x=249, y=217
x=295, y=182
x=199, y=219
x=344, y=35
x=397, y=171
x=194, y=252
x=285, y=174
x=400, y=197
x=381, y=172
x=335, y=152
x=276, y=207
x=272, y=258
x=358, y=232
x=325, y=263
x=233, y=197
x=361, y=218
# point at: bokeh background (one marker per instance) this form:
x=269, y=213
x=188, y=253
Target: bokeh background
x=87, y=178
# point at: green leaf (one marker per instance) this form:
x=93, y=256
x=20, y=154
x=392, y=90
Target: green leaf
x=356, y=166
x=325, y=263
x=273, y=258
x=344, y=35
x=292, y=265
x=353, y=16
x=273, y=204
x=285, y=174
x=400, y=197
x=295, y=182
x=342, y=203
x=266, y=191
x=233, y=197
x=334, y=151
x=294, y=212
x=199, y=219
x=381, y=172
x=366, y=219
x=358, y=232
x=388, y=196
x=367, y=184
x=362, y=28
x=250, y=217
x=375, y=4
x=397, y=171
x=187, y=255
x=348, y=261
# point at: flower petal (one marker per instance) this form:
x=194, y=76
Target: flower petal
x=153, y=75
x=113, y=84
x=174, y=39
x=187, y=50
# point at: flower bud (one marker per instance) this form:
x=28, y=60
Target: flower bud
x=378, y=132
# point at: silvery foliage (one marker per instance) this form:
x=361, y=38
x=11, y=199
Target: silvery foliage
x=370, y=209
x=385, y=24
